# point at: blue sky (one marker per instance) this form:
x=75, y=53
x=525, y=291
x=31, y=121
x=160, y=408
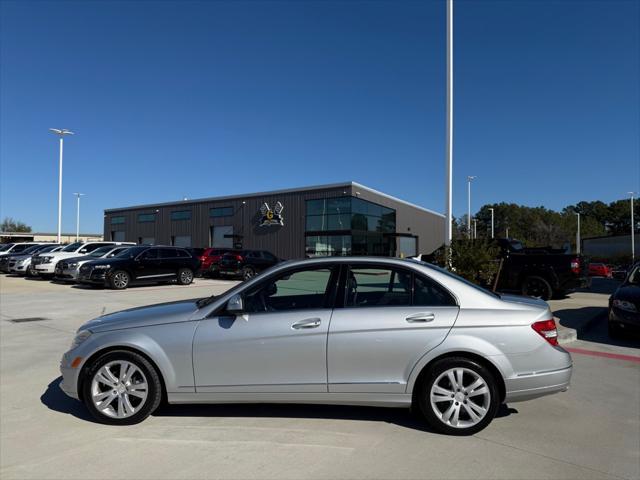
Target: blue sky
x=197, y=99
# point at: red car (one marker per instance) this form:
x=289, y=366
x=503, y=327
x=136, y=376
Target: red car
x=210, y=259
x=599, y=270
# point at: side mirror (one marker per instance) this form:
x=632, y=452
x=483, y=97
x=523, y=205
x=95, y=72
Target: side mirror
x=235, y=304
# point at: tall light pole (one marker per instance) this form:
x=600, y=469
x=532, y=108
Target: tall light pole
x=449, y=143
x=78, y=195
x=61, y=133
x=633, y=231
x=492, y=232
x=578, y=234
x=469, y=180
x=475, y=228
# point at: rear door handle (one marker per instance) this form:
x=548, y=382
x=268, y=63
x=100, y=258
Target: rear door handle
x=307, y=323
x=421, y=318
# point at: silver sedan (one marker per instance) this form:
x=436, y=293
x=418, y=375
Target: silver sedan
x=357, y=331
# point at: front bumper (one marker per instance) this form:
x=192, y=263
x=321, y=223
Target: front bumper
x=66, y=274
x=69, y=383
x=630, y=320
x=91, y=276
x=45, y=269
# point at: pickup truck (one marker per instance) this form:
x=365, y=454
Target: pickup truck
x=536, y=272
x=541, y=272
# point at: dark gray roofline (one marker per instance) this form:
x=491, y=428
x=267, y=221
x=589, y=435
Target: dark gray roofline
x=272, y=192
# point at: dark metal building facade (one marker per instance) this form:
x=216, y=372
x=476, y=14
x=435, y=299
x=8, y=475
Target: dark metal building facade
x=337, y=219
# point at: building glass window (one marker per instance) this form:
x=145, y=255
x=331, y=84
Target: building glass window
x=181, y=215
x=117, y=220
x=146, y=217
x=365, y=224
x=221, y=212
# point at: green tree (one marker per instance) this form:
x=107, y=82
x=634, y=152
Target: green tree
x=11, y=225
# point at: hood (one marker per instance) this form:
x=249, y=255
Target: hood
x=110, y=261
x=81, y=258
x=171, y=312
x=629, y=292
x=522, y=300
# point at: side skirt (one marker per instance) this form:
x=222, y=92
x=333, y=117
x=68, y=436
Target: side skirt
x=398, y=400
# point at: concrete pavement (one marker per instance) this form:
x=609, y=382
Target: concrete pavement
x=591, y=431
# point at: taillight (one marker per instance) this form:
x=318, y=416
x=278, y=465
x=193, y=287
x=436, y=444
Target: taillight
x=575, y=266
x=547, y=330
x=239, y=258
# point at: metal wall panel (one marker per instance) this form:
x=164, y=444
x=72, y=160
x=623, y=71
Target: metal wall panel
x=287, y=241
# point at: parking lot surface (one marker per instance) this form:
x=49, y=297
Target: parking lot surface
x=591, y=431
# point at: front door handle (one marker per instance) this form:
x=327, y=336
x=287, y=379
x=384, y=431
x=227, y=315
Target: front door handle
x=307, y=323
x=421, y=318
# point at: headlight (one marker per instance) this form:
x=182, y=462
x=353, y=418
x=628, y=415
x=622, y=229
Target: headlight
x=72, y=265
x=46, y=259
x=624, y=305
x=20, y=262
x=101, y=267
x=81, y=336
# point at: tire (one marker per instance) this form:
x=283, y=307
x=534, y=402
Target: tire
x=248, y=273
x=440, y=399
x=185, y=276
x=29, y=272
x=537, y=287
x=119, y=280
x=119, y=402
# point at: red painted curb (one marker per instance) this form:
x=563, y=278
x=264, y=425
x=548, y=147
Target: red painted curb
x=593, y=353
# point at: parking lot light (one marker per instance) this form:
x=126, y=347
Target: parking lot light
x=78, y=195
x=61, y=132
x=492, y=232
x=469, y=180
x=633, y=231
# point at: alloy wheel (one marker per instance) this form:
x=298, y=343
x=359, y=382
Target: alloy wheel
x=119, y=389
x=120, y=279
x=186, y=277
x=460, y=397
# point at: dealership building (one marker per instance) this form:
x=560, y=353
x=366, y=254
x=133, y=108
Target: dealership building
x=337, y=219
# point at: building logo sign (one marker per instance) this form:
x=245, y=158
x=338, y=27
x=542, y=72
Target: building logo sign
x=271, y=216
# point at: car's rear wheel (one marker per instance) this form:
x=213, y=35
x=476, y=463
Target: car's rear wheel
x=119, y=280
x=185, y=276
x=121, y=388
x=537, y=287
x=248, y=273
x=458, y=396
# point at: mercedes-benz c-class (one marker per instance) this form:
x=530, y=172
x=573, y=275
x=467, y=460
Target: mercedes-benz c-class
x=350, y=330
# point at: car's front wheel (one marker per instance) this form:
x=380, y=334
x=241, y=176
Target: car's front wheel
x=119, y=280
x=121, y=388
x=458, y=396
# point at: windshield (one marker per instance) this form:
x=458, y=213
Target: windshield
x=516, y=245
x=459, y=278
x=6, y=247
x=49, y=248
x=634, y=276
x=131, y=252
x=99, y=252
x=73, y=247
x=32, y=248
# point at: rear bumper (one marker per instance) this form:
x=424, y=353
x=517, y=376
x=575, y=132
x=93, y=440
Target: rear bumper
x=528, y=386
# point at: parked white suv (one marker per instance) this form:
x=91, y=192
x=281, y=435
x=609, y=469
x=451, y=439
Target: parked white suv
x=45, y=264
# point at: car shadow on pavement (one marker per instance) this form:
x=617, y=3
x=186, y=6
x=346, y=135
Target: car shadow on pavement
x=590, y=324
x=402, y=417
x=55, y=399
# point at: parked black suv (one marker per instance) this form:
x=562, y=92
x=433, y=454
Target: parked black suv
x=246, y=263
x=143, y=264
